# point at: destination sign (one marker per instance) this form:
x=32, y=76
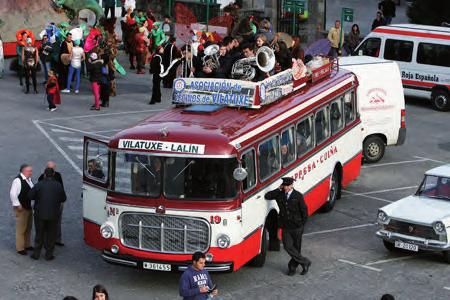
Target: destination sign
x=161, y=146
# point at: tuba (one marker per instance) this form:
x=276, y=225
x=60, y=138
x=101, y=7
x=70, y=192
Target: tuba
x=211, y=58
x=244, y=68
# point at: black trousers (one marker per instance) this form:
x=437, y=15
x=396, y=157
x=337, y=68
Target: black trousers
x=20, y=71
x=170, y=77
x=112, y=10
x=140, y=58
x=63, y=74
x=104, y=93
x=45, y=236
x=156, y=90
x=292, y=242
x=30, y=72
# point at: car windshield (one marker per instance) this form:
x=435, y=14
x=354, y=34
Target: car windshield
x=177, y=178
x=435, y=187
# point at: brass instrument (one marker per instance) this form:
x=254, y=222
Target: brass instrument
x=211, y=58
x=244, y=68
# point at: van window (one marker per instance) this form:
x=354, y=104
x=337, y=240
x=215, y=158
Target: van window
x=304, y=137
x=349, y=107
x=321, y=126
x=398, y=50
x=336, y=116
x=269, y=157
x=248, y=163
x=433, y=54
x=370, y=47
x=287, y=146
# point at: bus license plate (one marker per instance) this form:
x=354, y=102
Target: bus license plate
x=406, y=246
x=157, y=267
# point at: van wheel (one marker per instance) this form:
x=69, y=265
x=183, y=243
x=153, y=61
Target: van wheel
x=440, y=100
x=389, y=246
x=333, y=194
x=446, y=255
x=373, y=149
x=259, y=260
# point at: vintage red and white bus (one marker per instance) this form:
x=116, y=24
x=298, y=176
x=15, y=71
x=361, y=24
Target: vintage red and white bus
x=193, y=178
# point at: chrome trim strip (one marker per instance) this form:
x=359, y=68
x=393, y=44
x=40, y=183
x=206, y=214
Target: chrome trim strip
x=210, y=268
x=119, y=261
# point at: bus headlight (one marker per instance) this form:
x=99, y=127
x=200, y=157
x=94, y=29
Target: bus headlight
x=107, y=231
x=223, y=241
x=439, y=227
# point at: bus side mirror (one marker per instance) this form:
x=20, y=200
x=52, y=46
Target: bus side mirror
x=239, y=174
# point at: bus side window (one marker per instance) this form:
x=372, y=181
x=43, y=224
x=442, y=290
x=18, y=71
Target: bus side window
x=248, y=163
x=287, y=146
x=321, y=126
x=349, y=107
x=304, y=137
x=269, y=157
x=336, y=116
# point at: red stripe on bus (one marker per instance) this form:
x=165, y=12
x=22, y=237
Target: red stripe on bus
x=92, y=235
x=413, y=33
x=423, y=83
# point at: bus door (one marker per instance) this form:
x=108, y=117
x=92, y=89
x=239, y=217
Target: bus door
x=96, y=181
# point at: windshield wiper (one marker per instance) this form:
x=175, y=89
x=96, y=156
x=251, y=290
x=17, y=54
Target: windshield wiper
x=145, y=167
x=190, y=163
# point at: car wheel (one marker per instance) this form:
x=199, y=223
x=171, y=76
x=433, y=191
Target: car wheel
x=446, y=256
x=333, y=193
x=259, y=260
x=373, y=149
x=389, y=246
x=440, y=100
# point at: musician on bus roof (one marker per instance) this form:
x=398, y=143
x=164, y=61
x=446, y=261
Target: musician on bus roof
x=249, y=51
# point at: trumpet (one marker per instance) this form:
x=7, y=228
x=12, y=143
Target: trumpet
x=244, y=68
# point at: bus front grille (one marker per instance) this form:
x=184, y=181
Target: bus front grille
x=164, y=233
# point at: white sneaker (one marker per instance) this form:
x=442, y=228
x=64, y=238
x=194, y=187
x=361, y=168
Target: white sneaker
x=53, y=109
x=65, y=91
x=77, y=91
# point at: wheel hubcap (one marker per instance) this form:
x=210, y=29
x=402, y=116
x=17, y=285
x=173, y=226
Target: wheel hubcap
x=332, y=189
x=373, y=149
x=441, y=101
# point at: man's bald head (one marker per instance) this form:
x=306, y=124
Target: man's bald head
x=51, y=165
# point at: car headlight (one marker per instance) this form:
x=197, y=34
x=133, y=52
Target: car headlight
x=439, y=227
x=107, y=231
x=383, y=218
x=223, y=241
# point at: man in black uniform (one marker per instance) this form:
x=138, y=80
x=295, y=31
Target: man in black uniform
x=293, y=214
x=48, y=195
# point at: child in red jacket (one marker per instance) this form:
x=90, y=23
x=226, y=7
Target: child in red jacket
x=52, y=90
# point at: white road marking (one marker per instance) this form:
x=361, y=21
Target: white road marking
x=394, y=163
x=75, y=148
x=64, y=154
x=104, y=115
x=79, y=156
x=70, y=139
x=367, y=196
x=60, y=130
x=391, y=260
x=72, y=129
x=447, y=288
x=381, y=191
x=110, y=130
x=338, y=229
x=359, y=265
x=434, y=160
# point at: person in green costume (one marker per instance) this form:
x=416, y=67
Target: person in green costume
x=158, y=36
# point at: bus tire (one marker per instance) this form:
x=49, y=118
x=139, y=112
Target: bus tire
x=259, y=260
x=440, y=100
x=335, y=184
x=373, y=149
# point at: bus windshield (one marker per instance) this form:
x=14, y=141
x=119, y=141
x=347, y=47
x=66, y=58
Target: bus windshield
x=175, y=177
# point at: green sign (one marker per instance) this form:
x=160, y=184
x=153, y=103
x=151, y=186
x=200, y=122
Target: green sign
x=295, y=6
x=347, y=14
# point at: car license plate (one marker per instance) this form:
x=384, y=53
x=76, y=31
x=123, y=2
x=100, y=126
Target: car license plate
x=157, y=267
x=406, y=246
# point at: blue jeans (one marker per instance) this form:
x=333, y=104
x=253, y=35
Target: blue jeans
x=46, y=66
x=69, y=78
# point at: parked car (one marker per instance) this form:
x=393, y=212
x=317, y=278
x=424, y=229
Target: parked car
x=420, y=221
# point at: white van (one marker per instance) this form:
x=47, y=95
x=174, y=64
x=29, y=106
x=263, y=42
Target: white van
x=381, y=103
x=423, y=55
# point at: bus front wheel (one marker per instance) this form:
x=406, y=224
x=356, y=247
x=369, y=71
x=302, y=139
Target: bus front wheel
x=333, y=193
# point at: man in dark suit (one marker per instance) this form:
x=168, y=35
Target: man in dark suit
x=58, y=177
x=292, y=218
x=48, y=195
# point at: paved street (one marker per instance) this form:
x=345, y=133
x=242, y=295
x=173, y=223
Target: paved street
x=349, y=262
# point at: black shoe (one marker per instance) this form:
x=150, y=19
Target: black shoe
x=305, y=268
x=49, y=257
x=59, y=244
x=291, y=272
x=34, y=256
x=22, y=252
x=132, y=67
x=27, y=92
x=95, y=108
x=29, y=248
x=36, y=92
x=151, y=103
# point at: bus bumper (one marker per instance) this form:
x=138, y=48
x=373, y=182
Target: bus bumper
x=401, y=136
x=131, y=261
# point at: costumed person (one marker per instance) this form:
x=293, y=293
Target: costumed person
x=30, y=59
x=170, y=54
x=2, y=58
x=64, y=59
x=141, y=47
x=129, y=41
x=21, y=41
x=95, y=77
x=156, y=68
x=105, y=85
x=52, y=91
x=76, y=57
x=292, y=218
x=158, y=35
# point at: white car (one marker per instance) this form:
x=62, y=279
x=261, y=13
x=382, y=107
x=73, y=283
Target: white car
x=420, y=221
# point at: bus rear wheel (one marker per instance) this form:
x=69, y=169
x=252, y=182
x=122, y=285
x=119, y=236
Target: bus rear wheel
x=333, y=193
x=440, y=100
x=259, y=260
x=373, y=149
